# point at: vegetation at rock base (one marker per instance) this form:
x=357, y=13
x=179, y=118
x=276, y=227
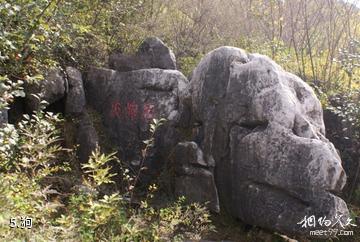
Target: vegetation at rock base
x=316, y=39
x=32, y=160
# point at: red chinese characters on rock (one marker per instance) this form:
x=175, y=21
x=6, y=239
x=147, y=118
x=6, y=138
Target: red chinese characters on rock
x=148, y=112
x=131, y=111
x=115, y=110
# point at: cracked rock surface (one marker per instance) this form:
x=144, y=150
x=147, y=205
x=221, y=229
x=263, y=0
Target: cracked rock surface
x=263, y=127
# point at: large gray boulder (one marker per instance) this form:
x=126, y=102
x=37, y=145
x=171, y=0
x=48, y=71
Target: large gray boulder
x=263, y=128
x=128, y=101
x=152, y=53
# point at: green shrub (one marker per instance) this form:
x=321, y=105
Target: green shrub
x=347, y=106
x=31, y=154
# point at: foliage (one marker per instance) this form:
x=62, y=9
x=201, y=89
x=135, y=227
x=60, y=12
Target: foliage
x=349, y=59
x=30, y=155
x=26, y=38
x=9, y=90
x=188, y=64
x=91, y=29
x=303, y=36
x=347, y=106
x=37, y=34
x=149, y=143
x=346, y=136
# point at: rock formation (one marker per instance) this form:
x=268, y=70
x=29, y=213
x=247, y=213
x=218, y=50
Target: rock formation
x=67, y=88
x=263, y=128
x=128, y=101
x=152, y=53
x=243, y=135
x=257, y=141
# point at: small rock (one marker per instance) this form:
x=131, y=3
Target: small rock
x=152, y=53
x=194, y=178
x=86, y=138
x=157, y=54
x=75, y=99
